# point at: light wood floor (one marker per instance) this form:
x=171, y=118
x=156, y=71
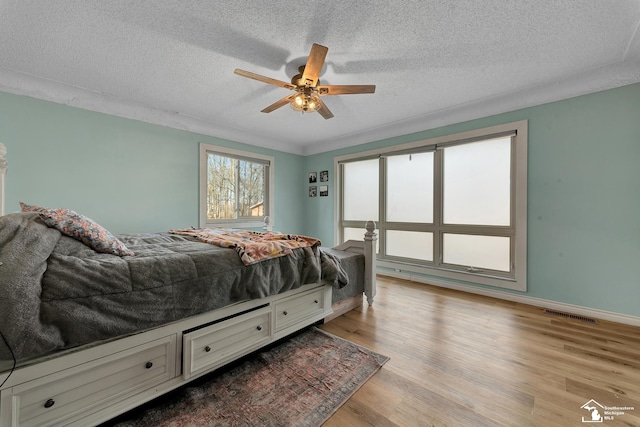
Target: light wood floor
x=459, y=359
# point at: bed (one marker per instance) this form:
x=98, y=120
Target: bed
x=73, y=352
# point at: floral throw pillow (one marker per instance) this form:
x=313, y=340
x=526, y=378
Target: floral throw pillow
x=31, y=208
x=85, y=230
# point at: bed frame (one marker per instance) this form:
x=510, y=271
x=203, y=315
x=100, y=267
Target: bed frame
x=92, y=384
x=367, y=248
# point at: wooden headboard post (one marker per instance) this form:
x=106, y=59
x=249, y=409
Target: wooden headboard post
x=370, y=238
x=3, y=171
x=366, y=247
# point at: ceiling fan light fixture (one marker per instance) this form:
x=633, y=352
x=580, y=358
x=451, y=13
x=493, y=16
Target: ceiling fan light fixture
x=305, y=103
x=306, y=85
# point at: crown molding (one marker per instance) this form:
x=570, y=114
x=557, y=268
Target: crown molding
x=602, y=78
x=592, y=81
x=60, y=93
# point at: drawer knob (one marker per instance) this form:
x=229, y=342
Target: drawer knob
x=259, y=327
x=207, y=349
x=285, y=312
x=148, y=365
x=315, y=301
x=49, y=403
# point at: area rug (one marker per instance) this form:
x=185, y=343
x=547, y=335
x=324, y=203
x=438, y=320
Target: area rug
x=300, y=382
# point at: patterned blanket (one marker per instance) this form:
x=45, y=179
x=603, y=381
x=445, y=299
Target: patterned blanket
x=251, y=246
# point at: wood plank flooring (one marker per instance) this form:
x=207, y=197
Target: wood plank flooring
x=460, y=359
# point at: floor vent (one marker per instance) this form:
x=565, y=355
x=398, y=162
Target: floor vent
x=571, y=316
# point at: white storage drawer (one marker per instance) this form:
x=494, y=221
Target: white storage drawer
x=73, y=393
x=213, y=346
x=296, y=309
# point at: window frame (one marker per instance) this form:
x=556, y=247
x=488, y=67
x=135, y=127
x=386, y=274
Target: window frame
x=268, y=161
x=515, y=279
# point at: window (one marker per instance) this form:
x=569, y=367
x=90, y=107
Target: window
x=235, y=187
x=453, y=206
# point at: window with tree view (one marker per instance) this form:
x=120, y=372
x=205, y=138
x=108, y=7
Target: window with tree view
x=452, y=206
x=236, y=186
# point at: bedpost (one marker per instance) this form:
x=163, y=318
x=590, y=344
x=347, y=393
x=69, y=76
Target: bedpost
x=267, y=224
x=3, y=170
x=370, y=238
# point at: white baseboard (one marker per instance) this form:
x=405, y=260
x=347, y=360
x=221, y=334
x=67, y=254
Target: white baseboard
x=524, y=299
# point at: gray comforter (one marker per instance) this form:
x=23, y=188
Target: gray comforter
x=57, y=293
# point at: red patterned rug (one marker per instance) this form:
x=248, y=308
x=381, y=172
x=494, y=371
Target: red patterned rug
x=300, y=382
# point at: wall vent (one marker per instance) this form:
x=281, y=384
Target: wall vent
x=571, y=316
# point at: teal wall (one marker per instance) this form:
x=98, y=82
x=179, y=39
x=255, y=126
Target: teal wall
x=583, y=185
x=583, y=197
x=127, y=175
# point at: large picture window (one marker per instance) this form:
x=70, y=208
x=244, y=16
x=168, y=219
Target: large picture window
x=452, y=206
x=234, y=187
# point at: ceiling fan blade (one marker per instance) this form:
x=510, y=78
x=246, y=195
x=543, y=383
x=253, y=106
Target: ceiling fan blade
x=314, y=65
x=264, y=79
x=346, y=89
x=284, y=101
x=323, y=110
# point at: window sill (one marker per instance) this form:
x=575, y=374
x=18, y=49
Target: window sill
x=458, y=276
x=238, y=224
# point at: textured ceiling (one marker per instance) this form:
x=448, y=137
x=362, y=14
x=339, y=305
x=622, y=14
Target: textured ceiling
x=433, y=62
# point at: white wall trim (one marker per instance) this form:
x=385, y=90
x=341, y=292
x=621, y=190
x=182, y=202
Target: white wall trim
x=518, y=131
x=523, y=299
x=587, y=82
x=60, y=93
x=270, y=214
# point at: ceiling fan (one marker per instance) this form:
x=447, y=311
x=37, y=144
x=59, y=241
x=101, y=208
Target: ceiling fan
x=307, y=86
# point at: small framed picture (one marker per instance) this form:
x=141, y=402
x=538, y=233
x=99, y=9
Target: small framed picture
x=313, y=191
x=324, y=190
x=313, y=177
x=324, y=176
